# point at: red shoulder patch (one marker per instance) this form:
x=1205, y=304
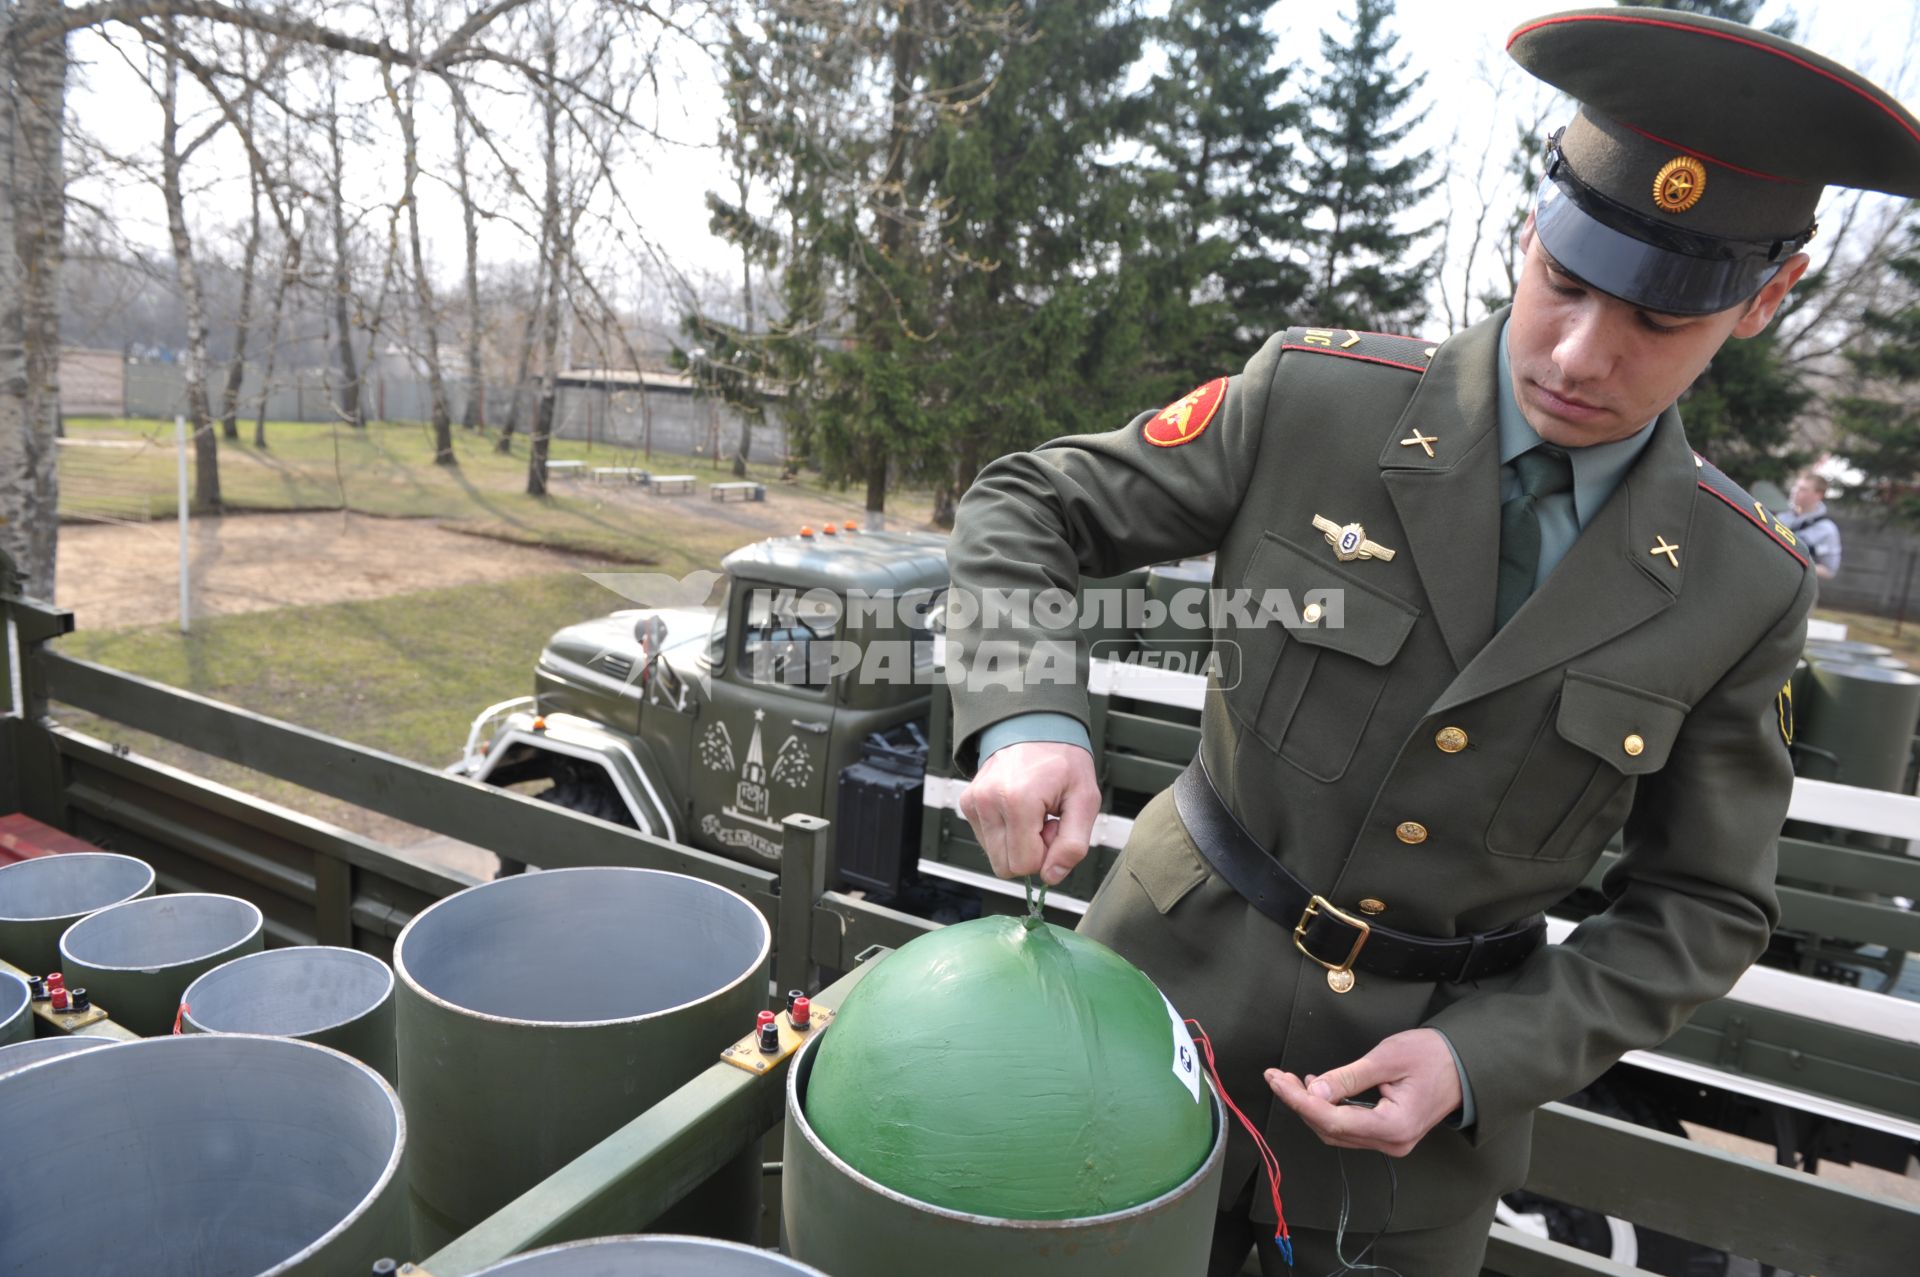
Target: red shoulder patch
x=1182, y=420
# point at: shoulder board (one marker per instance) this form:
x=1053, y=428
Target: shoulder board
x=1713, y=481
x=1410, y=353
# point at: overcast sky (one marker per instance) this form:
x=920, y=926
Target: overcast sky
x=1473, y=93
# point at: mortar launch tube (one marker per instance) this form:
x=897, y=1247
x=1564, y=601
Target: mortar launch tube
x=660, y=1256
x=41, y=898
x=340, y=998
x=538, y=1013
x=180, y=1156
x=139, y=957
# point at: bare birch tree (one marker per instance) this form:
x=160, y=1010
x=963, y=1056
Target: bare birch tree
x=347, y=397
x=289, y=272
x=554, y=238
x=404, y=102
x=473, y=416
x=32, y=221
x=243, y=320
x=173, y=160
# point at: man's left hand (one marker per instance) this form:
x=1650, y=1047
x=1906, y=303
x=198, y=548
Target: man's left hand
x=1418, y=1083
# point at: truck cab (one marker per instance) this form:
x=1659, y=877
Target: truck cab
x=706, y=725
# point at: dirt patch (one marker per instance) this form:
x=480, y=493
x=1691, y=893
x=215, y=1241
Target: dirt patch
x=125, y=574
x=784, y=511
x=129, y=574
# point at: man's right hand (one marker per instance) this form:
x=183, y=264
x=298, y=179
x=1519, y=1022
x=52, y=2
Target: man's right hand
x=1014, y=800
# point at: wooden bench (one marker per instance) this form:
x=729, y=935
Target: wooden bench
x=672, y=485
x=568, y=469
x=631, y=474
x=743, y=490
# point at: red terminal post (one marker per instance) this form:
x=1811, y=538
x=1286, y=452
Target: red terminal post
x=802, y=1014
x=830, y=530
x=62, y=1001
x=55, y=981
x=768, y=1032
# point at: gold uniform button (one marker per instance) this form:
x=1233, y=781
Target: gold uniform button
x=1633, y=745
x=1371, y=905
x=1410, y=832
x=1312, y=613
x=1451, y=740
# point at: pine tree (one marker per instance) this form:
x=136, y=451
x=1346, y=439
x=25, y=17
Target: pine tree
x=1220, y=220
x=1880, y=424
x=959, y=271
x=1367, y=271
x=1740, y=412
x=1044, y=311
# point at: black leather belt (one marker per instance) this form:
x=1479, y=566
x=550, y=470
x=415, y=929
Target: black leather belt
x=1329, y=935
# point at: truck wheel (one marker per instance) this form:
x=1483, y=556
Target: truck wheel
x=589, y=797
x=1618, y=1239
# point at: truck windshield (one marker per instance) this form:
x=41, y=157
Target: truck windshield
x=789, y=636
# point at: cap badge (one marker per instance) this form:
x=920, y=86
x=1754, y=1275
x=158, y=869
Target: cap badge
x=1679, y=185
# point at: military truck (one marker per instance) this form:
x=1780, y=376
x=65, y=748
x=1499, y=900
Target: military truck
x=1831, y=1054
x=706, y=724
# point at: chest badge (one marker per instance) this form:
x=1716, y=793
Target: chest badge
x=1349, y=541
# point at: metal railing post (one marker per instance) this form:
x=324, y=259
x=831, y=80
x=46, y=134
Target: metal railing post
x=803, y=880
x=38, y=779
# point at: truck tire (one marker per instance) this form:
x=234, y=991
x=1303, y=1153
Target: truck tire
x=1620, y=1240
x=589, y=797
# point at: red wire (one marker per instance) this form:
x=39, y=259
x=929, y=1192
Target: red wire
x=1267, y=1159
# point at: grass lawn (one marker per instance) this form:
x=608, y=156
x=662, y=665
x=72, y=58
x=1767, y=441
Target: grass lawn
x=405, y=674
x=1904, y=639
x=387, y=469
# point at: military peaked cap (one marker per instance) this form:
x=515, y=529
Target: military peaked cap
x=1700, y=151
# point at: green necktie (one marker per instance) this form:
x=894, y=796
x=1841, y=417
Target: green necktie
x=1544, y=472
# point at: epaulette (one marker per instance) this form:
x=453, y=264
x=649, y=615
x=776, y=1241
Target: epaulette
x=1410, y=353
x=1714, y=481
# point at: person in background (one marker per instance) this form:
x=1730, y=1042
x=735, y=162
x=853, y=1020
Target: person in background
x=1808, y=519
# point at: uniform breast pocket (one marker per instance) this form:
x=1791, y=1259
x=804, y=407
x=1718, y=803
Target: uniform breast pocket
x=1309, y=692
x=1573, y=790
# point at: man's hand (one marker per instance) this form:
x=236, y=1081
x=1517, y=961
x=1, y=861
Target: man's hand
x=1011, y=799
x=1419, y=1086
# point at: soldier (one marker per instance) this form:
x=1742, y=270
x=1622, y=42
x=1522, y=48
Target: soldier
x=1532, y=616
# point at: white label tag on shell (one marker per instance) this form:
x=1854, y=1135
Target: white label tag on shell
x=1186, y=1059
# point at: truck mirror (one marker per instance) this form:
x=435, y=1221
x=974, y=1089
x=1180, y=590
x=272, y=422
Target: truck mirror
x=651, y=633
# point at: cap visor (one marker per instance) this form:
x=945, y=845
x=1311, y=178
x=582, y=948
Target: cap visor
x=1635, y=271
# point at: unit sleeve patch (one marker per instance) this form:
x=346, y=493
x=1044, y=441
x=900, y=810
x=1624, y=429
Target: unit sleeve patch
x=1182, y=420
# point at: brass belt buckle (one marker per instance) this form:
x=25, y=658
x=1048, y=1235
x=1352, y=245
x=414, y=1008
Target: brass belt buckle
x=1339, y=974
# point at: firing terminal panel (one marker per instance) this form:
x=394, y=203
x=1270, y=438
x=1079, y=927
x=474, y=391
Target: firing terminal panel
x=747, y=1055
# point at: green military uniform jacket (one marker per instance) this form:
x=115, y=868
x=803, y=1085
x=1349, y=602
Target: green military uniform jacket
x=1634, y=688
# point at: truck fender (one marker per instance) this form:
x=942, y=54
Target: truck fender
x=566, y=736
